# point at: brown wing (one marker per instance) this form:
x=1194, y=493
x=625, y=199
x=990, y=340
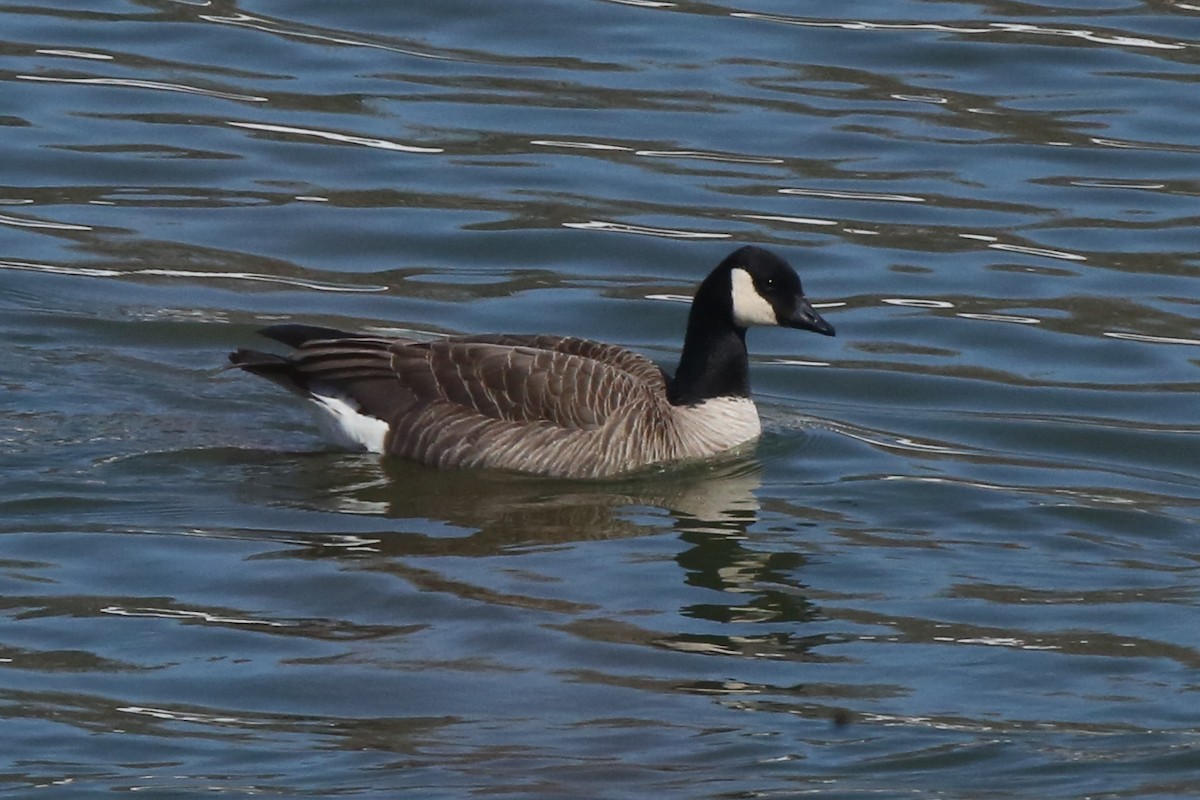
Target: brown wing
x=571, y=383
x=638, y=366
x=535, y=404
x=499, y=401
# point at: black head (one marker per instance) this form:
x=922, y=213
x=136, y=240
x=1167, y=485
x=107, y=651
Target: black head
x=751, y=286
x=763, y=289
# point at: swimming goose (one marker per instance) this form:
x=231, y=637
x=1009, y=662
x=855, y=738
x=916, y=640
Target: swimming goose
x=548, y=405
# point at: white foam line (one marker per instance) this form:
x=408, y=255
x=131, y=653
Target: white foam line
x=916, y=302
x=579, y=145
x=643, y=230
x=93, y=272
x=178, y=716
x=178, y=613
x=380, y=144
x=845, y=195
x=793, y=220
x=991, y=28
x=904, y=443
x=1001, y=318
x=18, y=222
x=1038, y=251
x=254, y=276
x=76, y=54
x=1145, y=337
x=247, y=21
x=707, y=156
x=130, y=83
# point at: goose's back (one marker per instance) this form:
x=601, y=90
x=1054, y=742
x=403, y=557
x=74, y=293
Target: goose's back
x=572, y=383
x=543, y=404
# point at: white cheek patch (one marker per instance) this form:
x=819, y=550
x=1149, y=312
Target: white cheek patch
x=750, y=307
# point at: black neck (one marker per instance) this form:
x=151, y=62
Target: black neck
x=713, y=362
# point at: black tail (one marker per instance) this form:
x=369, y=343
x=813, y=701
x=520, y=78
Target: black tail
x=297, y=372
x=273, y=367
x=281, y=369
x=294, y=335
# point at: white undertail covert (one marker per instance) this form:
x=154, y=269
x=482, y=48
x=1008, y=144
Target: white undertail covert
x=342, y=422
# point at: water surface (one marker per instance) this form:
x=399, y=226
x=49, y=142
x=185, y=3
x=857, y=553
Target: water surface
x=962, y=562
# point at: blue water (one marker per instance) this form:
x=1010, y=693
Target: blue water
x=961, y=563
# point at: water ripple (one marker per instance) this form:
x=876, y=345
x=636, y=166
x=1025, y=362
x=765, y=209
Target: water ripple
x=643, y=230
x=341, y=138
x=961, y=557
x=966, y=29
x=100, y=272
x=131, y=83
x=328, y=37
x=23, y=222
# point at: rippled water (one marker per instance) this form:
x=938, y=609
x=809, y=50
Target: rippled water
x=962, y=563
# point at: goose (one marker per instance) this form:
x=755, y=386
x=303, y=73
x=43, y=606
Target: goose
x=548, y=405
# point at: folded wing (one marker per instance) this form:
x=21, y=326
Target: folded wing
x=495, y=401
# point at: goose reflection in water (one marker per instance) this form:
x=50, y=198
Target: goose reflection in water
x=709, y=508
x=737, y=590
x=500, y=511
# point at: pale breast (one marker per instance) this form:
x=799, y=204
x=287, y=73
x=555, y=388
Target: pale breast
x=716, y=425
